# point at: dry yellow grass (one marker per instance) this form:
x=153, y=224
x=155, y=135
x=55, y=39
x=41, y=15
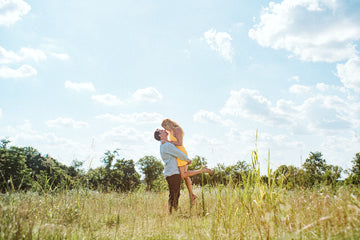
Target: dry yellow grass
x=255, y=212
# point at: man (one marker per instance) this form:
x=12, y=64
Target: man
x=169, y=153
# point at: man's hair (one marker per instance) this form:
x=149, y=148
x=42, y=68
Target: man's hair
x=157, y=134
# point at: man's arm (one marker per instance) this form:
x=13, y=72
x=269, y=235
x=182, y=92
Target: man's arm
x=170, y=148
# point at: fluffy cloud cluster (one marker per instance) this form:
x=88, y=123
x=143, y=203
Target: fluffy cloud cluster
x=313, y=30
x=299, y=89
x=149, y=94
x=22, y=72
x=25, y=70
x=220, y=42
x=24, y=55
x=8, y=57
x=12, y=11
x=318, y=112
x=250, y=104
x=349, y=73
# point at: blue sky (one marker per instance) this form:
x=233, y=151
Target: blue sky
x=79, y=78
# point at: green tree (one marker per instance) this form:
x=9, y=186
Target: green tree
x=4, y=143
x=356, y=165
x=290, y=176
x=281, y=175
x=152, y=169
x=331, y=175
x=120, y=176
x=75, y=169
x=95, y=178
x=315, y=167
x=130, y=179
x=109, y=178
x=240, y=172
x=14, y=174
x=109, y=158
x=219, y=177
x=354, y=177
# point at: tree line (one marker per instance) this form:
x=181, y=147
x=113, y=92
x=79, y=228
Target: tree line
x=24, y=168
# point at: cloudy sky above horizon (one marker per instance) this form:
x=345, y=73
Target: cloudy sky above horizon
x=80, y=78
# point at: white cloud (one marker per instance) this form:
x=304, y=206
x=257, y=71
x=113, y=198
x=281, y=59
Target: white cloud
x=137, y=118
x=250, y=104
x=61, y=56
x=123, y=134
x=107, y=99
x=22, y=72
x=322, y=87
x=210, y=117
x=63, y=149
x=0, y=112
x=325, y=113
x=237, y=135
x=299, y=89
x=220, y=42
x=66, y=122
x=294, y=79
x=349, y=73
x=11, y=11
x=332, y=89
x=25, y=133
x=34, y=54
x=313, y=30
x=279, y=140
x=203, y=140
x=80, y=86
x=8, y=57
x=285, y=108
x=318, y=113
x=149, y=94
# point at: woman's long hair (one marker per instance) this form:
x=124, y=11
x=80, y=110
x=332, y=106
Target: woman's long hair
x=170, y=124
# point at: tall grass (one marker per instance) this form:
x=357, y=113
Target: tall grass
x=231, y=213
x=252, y=210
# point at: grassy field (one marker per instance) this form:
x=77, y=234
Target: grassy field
x=247, y=212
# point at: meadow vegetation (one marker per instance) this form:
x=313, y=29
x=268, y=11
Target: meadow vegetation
x=59, y=202
x=227, y=212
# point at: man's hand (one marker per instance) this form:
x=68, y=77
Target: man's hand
x=189, y=162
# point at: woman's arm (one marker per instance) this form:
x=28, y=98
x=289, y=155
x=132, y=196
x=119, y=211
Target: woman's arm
x=177, y=132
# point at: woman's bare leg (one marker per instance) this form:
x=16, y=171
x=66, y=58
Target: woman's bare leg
x=192, y=196
x=185, y=173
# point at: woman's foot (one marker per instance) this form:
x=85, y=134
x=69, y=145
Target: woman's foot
x=207, y=170
x=193, y=197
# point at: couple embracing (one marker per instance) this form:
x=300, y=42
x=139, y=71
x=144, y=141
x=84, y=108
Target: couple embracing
x=176, y=159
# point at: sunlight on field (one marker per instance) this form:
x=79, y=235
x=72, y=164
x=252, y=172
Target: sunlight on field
x=231, y=213
x=251, y=209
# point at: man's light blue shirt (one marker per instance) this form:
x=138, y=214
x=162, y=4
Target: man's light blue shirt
x=169, y=152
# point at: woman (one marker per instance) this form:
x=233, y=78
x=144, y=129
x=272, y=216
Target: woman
x=176, y=135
